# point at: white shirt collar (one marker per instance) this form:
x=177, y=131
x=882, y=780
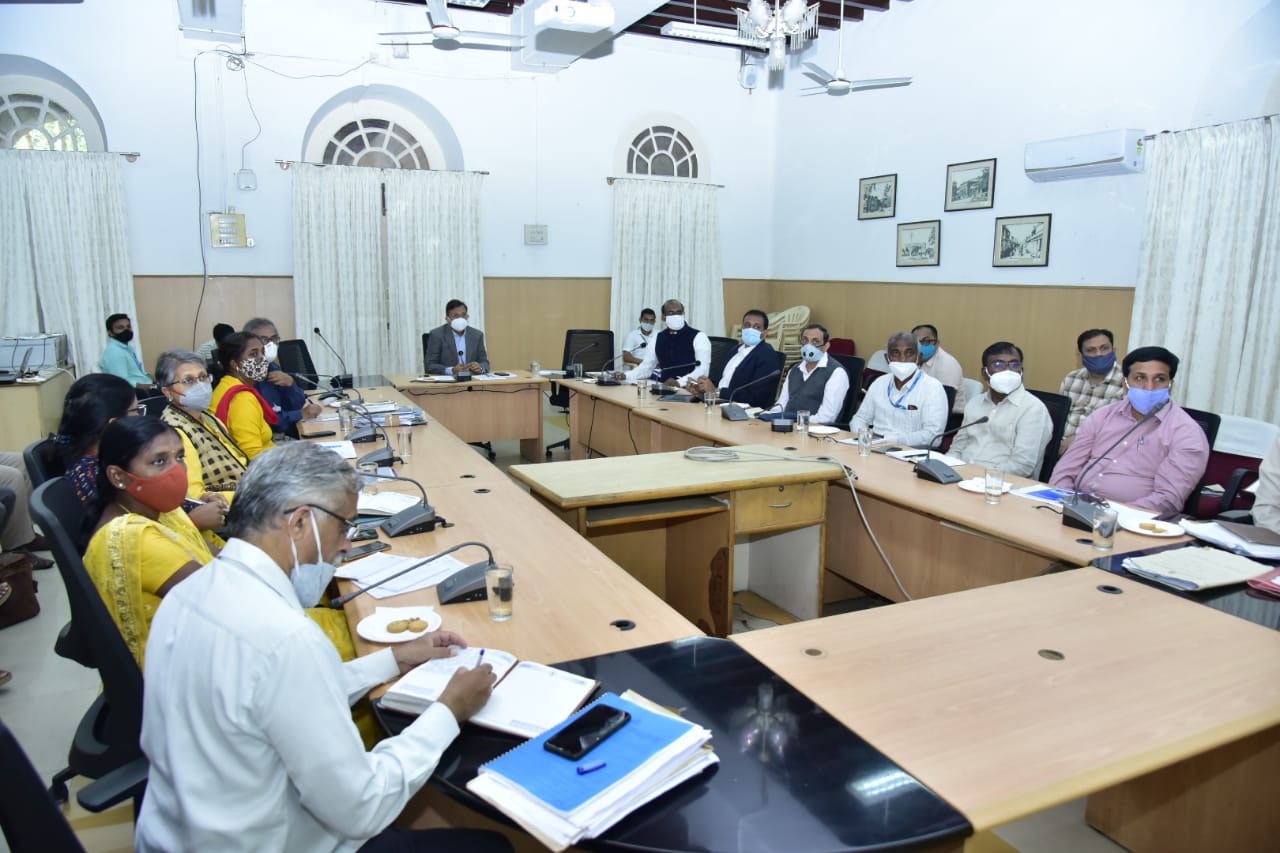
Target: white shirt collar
x=258, y=563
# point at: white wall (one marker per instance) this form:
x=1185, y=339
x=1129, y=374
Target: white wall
x=990, y=76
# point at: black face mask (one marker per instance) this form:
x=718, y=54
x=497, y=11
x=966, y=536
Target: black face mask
x=124, y=337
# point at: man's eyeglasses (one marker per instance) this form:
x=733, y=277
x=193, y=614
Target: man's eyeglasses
x=273, y=339
x=190, y=381
x=352, y=529
x=997, y=366
x=136, y=412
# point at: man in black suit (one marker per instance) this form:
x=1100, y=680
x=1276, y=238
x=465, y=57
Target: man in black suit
x=749, y=366
x=456, y=345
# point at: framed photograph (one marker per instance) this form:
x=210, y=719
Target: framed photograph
x=878, y=197
x=1022, y=241
x=971, y=185
x=919, y=243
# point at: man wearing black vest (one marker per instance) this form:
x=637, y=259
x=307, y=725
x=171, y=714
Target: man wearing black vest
x=680, y=352
x=745, y=377
x=818, y=384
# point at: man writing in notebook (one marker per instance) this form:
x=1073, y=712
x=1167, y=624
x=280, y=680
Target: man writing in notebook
x=246, y=717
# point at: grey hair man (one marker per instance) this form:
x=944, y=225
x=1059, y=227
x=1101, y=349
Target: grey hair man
x=246, y=718
x=905, y=405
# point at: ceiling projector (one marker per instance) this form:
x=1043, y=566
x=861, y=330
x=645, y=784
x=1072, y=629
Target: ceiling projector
x=574, y=15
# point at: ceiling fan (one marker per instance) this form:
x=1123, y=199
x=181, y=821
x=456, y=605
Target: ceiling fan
x=838, y=84
x=444, y=34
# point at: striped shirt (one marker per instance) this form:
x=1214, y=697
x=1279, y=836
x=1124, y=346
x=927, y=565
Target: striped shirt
x=1087, y=395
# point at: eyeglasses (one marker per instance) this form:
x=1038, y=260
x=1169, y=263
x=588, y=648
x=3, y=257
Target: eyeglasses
x=997, y=366
x=274, y=339
x=135, y=412
x=352, y=530
x=190, y=381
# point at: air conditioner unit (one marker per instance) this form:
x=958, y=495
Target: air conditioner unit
x=574, y=15
x=1110, y=152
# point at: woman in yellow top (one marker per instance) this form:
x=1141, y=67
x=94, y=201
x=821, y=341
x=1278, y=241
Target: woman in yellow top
x=236, y=402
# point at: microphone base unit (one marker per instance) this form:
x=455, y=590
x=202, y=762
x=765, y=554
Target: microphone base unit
x=461, y=377
x=362, y=435
x=606, y=380
x=464, y=585
x=782, y=425
x=382, y=457
x=1078, y=512
x=937, y=471
x=342, y=380
x=420, y=518
x=734, y=412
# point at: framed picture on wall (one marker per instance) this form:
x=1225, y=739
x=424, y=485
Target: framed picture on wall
x=878, y=197
x=971, y=185
x=1022, y=241
x=919, y=243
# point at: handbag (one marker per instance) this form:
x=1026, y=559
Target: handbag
x=22, y=604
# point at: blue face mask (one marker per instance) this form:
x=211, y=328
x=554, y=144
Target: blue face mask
x=1099, y=365
x=810, y=353
x=1144, y=401
x=927, y=351
x=751, y=337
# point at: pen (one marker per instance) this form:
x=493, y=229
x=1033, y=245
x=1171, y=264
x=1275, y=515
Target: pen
x=480, y=659
x=590, y=767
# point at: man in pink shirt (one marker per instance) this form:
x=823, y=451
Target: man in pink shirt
x=1155, y=467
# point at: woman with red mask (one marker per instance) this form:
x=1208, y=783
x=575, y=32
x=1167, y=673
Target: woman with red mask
x=144, y=544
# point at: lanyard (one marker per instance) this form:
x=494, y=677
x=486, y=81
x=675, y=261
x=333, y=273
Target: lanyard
x=897, y=404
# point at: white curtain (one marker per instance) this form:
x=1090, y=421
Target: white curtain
x=338, y=267
x=433, y=254
x=666, y=245
x=1209, y=275
x=64, y=248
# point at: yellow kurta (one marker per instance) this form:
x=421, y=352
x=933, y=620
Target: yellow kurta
x=245, y=421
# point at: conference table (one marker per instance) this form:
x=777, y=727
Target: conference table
x=480, y=410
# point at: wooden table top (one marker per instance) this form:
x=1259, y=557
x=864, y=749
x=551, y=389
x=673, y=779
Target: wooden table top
x=953, y=687
x=408, y=381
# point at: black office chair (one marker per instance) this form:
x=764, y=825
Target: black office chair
x=295, y=358
x=593, y=349
x=152, y=404
x=1059, y=407
x=1210, y=423
x=42, y=461
x=954, y=419
x=853, y=365
x=722, y=350
x=107, y=737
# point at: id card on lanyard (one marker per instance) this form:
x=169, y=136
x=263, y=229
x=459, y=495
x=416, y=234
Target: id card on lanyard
x=897, y=404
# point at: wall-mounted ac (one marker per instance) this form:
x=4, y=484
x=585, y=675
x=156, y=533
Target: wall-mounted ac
x=1110, y=152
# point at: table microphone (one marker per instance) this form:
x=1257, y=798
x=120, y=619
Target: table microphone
x=343, y=379
x=419, y=518
x=663, y=389
x=1078, y=510
x=573, y=359
x=383, y=455
x=606, y=379
x=446, y=596
x=935, y=470
x=737, y=413
x=462, y=375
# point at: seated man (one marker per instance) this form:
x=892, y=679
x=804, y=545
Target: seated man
x=1156, y=466
x=456, y=345
x=1266, y=503
x=17, y=534
x=905, y=405
x=1094, y=385
x=120, y=359
x=818, y=384
x=745, y=378
x=1018, y=425
x=250, y=739
x=282, y=391
x=639, y=339
x=209, y=349
x=679, y=352
x=940, y=364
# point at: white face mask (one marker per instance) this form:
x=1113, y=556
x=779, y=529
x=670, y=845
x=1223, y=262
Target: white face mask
x=198, y=398
x=675, y=322
x=902, y=370
x=1005, y=381
x=270, y=349
x=311, y=579
x=459, y=324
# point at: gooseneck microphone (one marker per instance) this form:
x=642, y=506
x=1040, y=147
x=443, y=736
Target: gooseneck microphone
x=662, y=369
x=1078, y=510
x=419, y=518
x=340, y=601
x=935, y=470
x=737, y=413
x=606, y=379
x=343, y=379
x=573, y=359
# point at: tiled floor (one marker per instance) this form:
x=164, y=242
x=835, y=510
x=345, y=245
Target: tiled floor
x=47, y=696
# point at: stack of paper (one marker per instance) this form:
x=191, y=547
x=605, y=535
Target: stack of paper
x=1237, y=538
x=1193, y=568
x=371, y=570
x=551, y=800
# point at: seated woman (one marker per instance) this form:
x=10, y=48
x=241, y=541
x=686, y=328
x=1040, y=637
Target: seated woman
x=214, y=461
x=93, y=401
x=248, y=416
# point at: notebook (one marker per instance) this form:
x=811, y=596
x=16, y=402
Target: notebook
x=1190, y=569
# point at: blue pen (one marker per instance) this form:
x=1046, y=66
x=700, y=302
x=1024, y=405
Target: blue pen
x=590, y=767
x=480, y=659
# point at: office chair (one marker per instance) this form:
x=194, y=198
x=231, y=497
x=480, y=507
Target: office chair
x=853, y=365
x=722, y=350
x=593, y=349
x=41, y=459
x=1210, y=423
x=953, y=419
x=107, y=737
x=842, y=346
x=295, y=358
x=1059, y=407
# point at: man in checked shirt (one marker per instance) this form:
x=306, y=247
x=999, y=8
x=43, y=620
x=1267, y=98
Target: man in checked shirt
x=1099, y=382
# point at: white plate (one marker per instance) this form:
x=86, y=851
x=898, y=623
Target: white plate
x=822, y=429
x=979, y=487
x=1167, y=528
x=374, y=626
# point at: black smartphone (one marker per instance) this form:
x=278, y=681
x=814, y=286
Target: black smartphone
x=365, y=534
x=587, y=732
x=322, y=434
x=365, y=550
x=886, y=448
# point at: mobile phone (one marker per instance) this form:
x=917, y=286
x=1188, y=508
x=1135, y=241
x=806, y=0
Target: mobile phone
x=321, y=434
x=364, y=534
x=364, y=550
x=886, y=448
x=587, y=732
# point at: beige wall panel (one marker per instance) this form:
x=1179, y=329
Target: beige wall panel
x=743, y=294
x=167, y=308
x=526, y=318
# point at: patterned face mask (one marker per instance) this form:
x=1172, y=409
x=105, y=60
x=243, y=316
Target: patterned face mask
x=255, y=368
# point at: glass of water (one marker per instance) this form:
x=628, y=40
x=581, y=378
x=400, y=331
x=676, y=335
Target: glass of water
x=1105, y=521
x=864, y=441
x=499, y=581
x=993, y=485
x=709, y=400
x=802, y=424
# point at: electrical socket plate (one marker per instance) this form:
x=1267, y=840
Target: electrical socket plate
x=535, y=235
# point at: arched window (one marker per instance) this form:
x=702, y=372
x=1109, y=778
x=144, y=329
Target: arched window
x=384, y=128
x=376, y=142
x=41, y=109
x=662, y=151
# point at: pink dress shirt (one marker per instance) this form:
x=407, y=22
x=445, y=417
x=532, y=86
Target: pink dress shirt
x=1155, y=468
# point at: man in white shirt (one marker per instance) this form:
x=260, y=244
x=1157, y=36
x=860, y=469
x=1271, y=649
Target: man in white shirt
x=640, y=339
x=818, y=384
x=1266, y=504
x=750, y=376
x=679, y=352
x=906, y=405
x=246, y=717
x=1018, y=425
x=939, y=363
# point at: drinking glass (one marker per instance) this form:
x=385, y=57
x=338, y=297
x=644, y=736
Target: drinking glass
x=993, y=485
x=500, y=590
x=864, y=442
x=1105, y=521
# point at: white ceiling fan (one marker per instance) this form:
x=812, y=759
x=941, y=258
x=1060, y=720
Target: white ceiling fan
x=838, y=84
x=444, y=34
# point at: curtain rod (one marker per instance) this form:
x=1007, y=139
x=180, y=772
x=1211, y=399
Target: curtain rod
x=609, y=180
x=285, y=164
x=131, y=156
x=1271, y=117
